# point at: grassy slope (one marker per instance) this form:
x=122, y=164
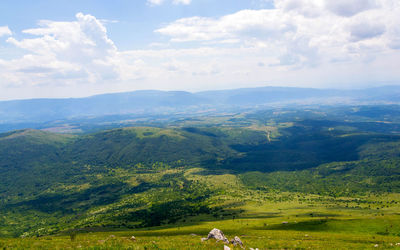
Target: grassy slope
x=314, y=221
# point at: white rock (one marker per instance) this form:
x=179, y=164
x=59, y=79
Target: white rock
x=236, y=241
x=218, y=235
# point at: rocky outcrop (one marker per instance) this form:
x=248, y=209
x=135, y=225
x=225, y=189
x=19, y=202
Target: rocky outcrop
x=216, y=234
x=219, y=236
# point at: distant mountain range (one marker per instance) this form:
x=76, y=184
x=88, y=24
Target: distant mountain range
x=163, y=102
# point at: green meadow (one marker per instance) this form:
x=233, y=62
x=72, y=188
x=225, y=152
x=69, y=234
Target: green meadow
x=266, y=221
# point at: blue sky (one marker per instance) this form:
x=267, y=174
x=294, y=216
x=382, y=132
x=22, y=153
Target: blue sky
x=138, y=18
x=70, y=48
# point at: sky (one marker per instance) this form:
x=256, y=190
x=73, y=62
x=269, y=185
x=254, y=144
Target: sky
x=77, y=48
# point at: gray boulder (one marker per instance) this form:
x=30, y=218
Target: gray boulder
x=216, y=234
x=236, y=241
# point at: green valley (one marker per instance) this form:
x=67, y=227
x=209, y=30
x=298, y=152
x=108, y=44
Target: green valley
x=281, y=178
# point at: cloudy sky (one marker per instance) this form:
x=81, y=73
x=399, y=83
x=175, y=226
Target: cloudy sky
x=74, y=48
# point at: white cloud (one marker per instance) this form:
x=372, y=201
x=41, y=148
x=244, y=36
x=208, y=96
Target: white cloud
x=305, y=32
x=308, y=8
x=316, y=8
x=64, y=52
x=155, y=2
x=349, y=8
x=185, y=2
x=243, y=24
x=366, y=30
x=176, y=2
x=5, y=31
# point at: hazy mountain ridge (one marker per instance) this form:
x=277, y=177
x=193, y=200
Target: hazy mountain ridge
x=158, y=102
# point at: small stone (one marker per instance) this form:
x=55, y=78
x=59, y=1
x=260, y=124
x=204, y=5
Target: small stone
x=226, y=247
x=133, y=238
x=376, y=245
x=236, y=241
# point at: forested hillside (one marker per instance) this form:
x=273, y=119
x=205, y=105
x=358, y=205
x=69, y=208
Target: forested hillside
x=189, y=169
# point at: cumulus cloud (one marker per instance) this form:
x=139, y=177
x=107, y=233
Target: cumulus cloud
x=304, y=32
x=308, y=8
x=66, y=49
x=316, y=8
x=5, y=31
x=394, y=37
x=366, y=30
x=245, y=23
x=349, y=8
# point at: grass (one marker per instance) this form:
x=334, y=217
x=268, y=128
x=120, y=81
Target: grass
x=256, y=216
x=267, y=221
x=250, y=231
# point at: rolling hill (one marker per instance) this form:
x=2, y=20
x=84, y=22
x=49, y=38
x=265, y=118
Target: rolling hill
x=136, y=177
